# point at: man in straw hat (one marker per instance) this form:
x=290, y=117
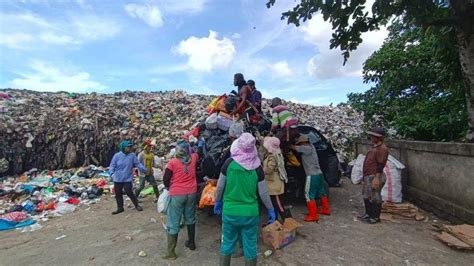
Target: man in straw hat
x=373, y=177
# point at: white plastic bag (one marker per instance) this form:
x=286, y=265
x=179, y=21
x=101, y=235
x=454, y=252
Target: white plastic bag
x=211, y=121
x=163, y=201
x=392, y=190
x=356, y=174
x=64, y=208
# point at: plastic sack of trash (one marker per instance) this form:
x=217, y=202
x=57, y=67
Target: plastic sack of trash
x=211, y=122
x=392, y=190
x=64, y=208
x=358, y=164
x=163, y=201
x=208, y=196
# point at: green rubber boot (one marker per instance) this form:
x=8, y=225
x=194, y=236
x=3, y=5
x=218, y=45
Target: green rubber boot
x=170, y=253
x=225, y=260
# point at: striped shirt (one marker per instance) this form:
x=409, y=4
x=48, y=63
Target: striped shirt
x=282, y=117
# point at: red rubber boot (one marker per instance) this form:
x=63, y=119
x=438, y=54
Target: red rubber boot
x=312, y=212
x=325, y=206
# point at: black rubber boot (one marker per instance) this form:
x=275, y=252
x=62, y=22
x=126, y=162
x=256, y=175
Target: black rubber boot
x=157, y=193
x=191, y=235
x=170, y=250
x=251, y=262
x=368, y=212
x=120, y=209
x=224, y=260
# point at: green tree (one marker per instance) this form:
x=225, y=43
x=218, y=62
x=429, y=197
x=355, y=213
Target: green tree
x=349, y=20
x=418, y=85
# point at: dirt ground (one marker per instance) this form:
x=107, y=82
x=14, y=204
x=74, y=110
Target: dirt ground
x=95, y=237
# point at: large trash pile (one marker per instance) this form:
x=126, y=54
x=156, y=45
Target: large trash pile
x=35, y=197
x=66, y=130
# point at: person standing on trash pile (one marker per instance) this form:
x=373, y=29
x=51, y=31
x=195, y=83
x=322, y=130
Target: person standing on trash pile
x=147, y=158
x=180, y=180
x=243, y=93
x=121, y=169
x=314, y=184
x=275, y=174
x=373, y=177
x=241, y=178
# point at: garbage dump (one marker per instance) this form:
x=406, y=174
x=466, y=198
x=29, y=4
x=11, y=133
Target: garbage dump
x=39, y=196
x=63, y=130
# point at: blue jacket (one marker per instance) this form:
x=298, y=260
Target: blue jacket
x=122, y=165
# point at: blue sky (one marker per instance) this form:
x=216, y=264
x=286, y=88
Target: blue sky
x=192, y=45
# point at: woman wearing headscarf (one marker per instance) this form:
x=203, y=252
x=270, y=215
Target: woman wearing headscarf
x=275, y=174
x=120, y=170
x=180, y=179
x=240, y=180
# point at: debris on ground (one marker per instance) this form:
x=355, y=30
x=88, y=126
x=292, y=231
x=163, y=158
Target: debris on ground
x=456, y=236
x=39, y=196
x=142, y=254
x=401, y=211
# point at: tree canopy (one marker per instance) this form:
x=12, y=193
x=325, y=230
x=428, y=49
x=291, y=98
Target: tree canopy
x=418, y=85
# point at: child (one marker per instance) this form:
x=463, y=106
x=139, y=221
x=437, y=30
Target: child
x=275, y=174
x=314, y=185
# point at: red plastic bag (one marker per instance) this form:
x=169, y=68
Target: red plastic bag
x=74, y=201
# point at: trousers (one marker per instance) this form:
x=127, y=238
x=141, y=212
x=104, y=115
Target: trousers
x=179, y=206
x=119, y=187
x=314, y=187
x=245, y=227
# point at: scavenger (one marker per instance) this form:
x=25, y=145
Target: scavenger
x=275, y=174
x=373, y=177
x=314, y=185
x=236, y=198
x=180, y=179
x=120, y=169
x=146, y=158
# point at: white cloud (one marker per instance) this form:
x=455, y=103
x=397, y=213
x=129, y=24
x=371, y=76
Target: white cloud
x=46, y=77
x=92, y=28
x=281, y=69
x=53, y=38
x=150, y=14
x=15, y=40
x=328, y=63
x=18, y=31
x=186, y=6
x=207, y=53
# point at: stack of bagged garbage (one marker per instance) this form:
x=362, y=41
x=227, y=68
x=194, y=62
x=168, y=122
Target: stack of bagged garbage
x=38, y=196
x=65, y=130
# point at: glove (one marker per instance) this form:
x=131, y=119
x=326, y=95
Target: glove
x=218, y=208
x=271, y=216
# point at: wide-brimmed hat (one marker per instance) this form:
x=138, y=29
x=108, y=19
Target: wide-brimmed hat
x=376, y=132
x=272, y=144
x=302, y=138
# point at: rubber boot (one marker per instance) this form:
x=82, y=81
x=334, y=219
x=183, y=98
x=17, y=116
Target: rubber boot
x=325, y=206
x=251, y=262
x=377, y=211
x=224, y=260
x=312, y=212
x=191, y=234
x=120, y=209
x=170, y=253
x=368, y=211
x=157, y=193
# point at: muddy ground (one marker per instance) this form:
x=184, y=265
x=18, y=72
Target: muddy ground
x=95, y=237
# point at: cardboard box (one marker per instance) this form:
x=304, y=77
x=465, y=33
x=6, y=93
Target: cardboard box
x=279, y=236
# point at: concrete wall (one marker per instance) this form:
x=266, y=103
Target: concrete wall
x=439, y=177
